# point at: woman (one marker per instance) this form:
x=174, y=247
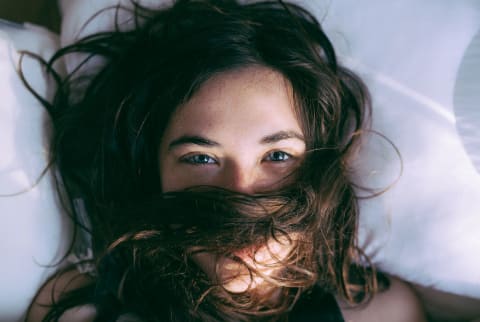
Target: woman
x=208, y=162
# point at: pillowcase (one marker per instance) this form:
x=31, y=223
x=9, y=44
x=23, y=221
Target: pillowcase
x=34, y=233
x=423, y=229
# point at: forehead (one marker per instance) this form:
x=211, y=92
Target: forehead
x=245, y=99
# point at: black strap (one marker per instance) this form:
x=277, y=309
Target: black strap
x=316, y=306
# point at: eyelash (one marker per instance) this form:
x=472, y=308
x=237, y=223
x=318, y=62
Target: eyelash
x=284, y=154
x=190, y=159
x=193, y=159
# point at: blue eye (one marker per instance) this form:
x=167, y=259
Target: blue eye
x=199, y=159
x=278, y=156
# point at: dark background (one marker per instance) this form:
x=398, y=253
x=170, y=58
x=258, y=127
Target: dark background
x=40, y=12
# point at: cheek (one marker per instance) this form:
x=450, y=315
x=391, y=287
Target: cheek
x=172, y=180
x=176, y=176
x=168, y=182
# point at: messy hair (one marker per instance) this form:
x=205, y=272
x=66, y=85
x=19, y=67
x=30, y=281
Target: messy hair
x=107, y=127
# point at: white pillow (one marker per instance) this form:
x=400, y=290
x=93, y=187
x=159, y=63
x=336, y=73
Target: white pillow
x=425, y=228
x=33, y=232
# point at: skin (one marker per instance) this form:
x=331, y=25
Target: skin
x=444, y=306
x=240, y=132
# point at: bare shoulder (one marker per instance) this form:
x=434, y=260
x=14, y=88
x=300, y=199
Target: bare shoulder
x=52, y=290
x=443, y=306
x=398, y=303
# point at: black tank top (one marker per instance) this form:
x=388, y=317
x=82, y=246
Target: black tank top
x=316, y=307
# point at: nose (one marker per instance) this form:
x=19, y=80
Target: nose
x=241, y=178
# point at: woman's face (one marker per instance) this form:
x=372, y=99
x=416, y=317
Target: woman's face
x=238, y=132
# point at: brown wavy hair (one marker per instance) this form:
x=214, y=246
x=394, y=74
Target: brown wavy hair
x=107, y=127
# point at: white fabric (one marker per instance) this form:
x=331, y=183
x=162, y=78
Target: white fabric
x=466, y=99
x=33, y=232
x=425, y=228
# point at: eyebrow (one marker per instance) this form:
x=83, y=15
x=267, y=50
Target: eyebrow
x=280, y=136
x=192, y=139
x=199, y=140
